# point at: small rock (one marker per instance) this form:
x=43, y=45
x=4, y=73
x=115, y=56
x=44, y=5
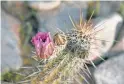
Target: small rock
x=111, y=71
x=105, y=34
x=108, y=7
x=41, y=6
x=59, y=18
x=10, y=53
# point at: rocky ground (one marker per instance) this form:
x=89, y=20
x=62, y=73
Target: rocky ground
x=107, y=72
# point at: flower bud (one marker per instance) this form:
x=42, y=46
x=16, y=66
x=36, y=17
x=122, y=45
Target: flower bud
x=43, y=44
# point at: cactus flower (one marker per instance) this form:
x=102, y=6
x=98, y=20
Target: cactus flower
x=43, y=44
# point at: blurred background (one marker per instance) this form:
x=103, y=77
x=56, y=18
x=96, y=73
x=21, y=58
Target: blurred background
x=20, y=20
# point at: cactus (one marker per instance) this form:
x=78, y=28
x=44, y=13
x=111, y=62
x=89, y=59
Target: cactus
x=70, y=57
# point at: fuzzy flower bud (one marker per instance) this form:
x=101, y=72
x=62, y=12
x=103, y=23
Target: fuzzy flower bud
x=43, y=44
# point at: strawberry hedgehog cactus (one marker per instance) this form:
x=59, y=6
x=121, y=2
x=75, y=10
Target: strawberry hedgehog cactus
x=65, y=56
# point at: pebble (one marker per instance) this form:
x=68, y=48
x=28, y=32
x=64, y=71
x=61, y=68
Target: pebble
x=10, y=53
x=111, y=71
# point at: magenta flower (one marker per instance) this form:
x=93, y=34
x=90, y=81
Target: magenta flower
x=43, y=44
